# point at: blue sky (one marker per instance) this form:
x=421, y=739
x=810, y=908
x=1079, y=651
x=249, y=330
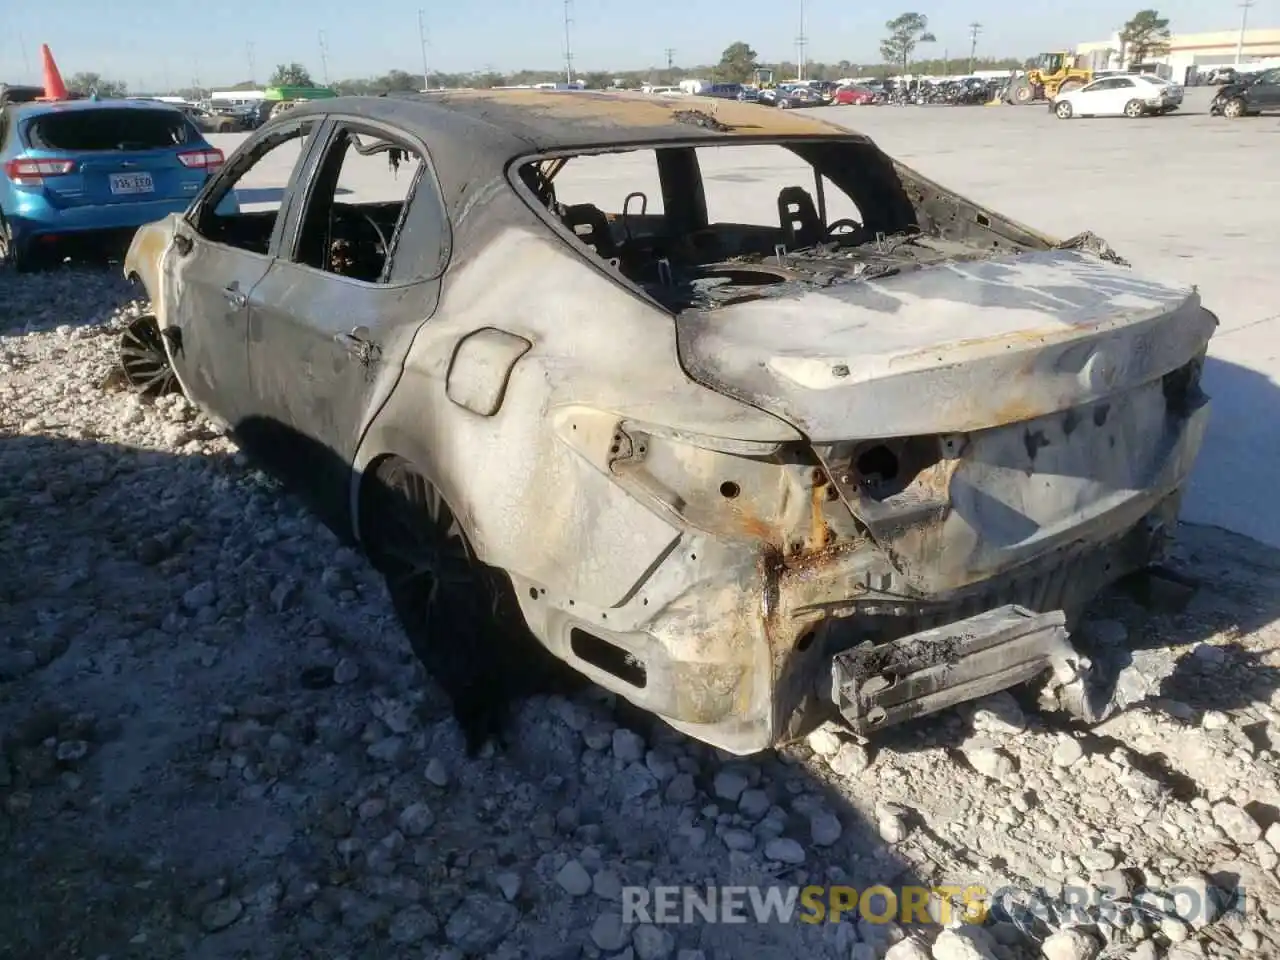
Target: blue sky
x=150, y=43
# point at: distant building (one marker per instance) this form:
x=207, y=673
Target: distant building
x=1189, y=53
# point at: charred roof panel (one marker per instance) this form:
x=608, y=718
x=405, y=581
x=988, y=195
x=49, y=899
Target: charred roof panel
x=552, y=119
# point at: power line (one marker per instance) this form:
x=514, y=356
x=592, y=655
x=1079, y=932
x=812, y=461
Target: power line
x=324, y=59
x=26, y=57
x=974, y=29
x=1244, y=25
x=422, y=42
x=568, y=46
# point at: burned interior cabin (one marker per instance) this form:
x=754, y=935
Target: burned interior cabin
x=704, y=225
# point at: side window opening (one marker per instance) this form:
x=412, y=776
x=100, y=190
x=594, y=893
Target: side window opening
x=358, y=204
x=605, y=200
x=243, y=210
x=769, y=186
x=703, y=226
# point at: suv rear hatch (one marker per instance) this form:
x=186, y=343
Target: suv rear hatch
x=121, y=155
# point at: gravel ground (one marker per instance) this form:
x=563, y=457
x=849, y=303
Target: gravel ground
x=214, y=742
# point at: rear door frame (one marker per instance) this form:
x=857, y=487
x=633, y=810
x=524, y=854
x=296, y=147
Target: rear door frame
x=328, y=489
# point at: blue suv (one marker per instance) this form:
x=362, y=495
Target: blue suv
x=78, y=167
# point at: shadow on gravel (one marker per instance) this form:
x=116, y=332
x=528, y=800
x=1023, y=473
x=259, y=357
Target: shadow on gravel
x=37, y=302
x=187, y=768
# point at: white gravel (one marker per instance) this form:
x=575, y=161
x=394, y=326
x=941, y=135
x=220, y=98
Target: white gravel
x=215, y=743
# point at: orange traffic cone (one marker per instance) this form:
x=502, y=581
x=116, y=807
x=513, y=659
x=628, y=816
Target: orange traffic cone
x=54, y=88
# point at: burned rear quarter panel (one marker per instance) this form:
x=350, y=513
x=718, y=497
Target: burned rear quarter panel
x=530, y=483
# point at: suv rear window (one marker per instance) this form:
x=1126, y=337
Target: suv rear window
x=108, y=129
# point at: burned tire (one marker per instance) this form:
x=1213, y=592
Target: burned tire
x=1233, y=109
x=144, y=361
x=461, y=616
x=1135, y=110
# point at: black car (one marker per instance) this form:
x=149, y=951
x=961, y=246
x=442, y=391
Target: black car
x=1248, y=97
x=797, y=97
x=725, y=91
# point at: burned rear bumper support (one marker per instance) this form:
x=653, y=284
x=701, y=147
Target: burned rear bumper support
x=878, y=685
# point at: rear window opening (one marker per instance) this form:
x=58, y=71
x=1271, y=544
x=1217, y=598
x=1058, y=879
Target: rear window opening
x=705, y=226
x=108, y=129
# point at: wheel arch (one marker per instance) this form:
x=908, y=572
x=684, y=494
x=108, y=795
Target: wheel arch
x=382, y=448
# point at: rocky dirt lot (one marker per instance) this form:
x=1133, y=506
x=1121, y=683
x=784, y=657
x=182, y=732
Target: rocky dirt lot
x=215, y=743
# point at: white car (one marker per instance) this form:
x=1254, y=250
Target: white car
x=1127, y=95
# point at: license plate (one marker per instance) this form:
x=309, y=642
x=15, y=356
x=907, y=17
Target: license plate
x=131, y=183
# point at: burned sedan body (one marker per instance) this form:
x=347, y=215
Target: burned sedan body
x=744, y=456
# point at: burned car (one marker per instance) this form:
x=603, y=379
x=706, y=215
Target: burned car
x=746, y=457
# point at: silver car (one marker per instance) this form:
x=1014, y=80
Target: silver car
x=860, y=447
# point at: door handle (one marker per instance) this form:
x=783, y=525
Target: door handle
x=234, y=296
x=358, y=345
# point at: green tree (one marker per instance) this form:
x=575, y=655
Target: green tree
x=398, y=81
x=906, y=32
x=1146, y=35
x=291, y=75
x=87, y=83
x=736, y=63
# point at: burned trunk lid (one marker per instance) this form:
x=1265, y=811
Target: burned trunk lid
x=978, y=416
x=953, y=348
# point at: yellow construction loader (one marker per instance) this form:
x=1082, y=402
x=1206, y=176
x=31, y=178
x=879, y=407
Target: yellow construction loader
x=1054, y=73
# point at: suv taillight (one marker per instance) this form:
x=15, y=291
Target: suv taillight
x=202, y=159
x=31, y=172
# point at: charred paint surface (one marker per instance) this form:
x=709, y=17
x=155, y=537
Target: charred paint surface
x=569, y=117
x=668, y=458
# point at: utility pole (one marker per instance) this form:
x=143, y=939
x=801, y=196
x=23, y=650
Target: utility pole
x=248, y=49
x=974, y=30
x=422, y=42
x=801, y=43
x=671, y=57
x=324, y=59
x=568, y=45
x=1244, y=24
